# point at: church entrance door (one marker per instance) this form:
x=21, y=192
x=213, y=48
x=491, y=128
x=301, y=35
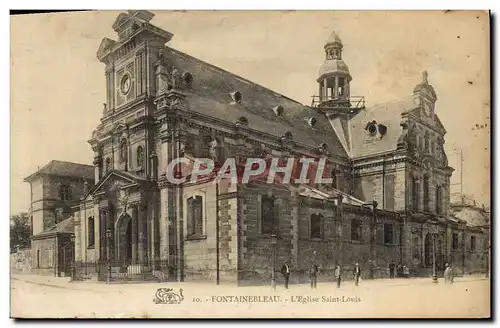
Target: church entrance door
x=125, y=239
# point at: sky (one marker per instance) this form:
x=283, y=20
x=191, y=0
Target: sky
x=58, y=85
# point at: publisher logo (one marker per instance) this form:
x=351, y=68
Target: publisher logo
x=168, y=296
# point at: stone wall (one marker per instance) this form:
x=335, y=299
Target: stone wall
x=297, y=246
x=200, y=253
x=21, y=261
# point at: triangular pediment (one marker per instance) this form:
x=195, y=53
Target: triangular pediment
x=116, y=180
x=122, y=18
x=104, y=47
x=120, y=127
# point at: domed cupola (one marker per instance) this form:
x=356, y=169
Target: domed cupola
x=334, y=65
x=334, y=80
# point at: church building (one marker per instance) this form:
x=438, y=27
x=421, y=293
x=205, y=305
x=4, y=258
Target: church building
x=388, y=200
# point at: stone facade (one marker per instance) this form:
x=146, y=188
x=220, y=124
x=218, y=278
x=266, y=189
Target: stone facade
x=388, y=200
x=54, y=189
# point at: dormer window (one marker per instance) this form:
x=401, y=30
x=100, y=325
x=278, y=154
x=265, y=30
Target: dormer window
x=236, y=96
x=242, y=120
x=187, y=78
x=372, y=128
x=323, y=147
x=278, y=110
x=311, y=121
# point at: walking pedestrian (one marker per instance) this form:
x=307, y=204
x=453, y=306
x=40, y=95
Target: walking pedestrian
x=392, y=266
x=406, y=271
x=357, y=274
x=285, y=271
x=448, y=274
x=313, y=274
x=337, y=275
x=399, y=270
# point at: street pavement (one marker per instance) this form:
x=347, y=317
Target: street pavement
x=51, y=297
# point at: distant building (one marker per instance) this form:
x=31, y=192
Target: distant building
x=54, y=189
x=389, y=199
x=473, y=233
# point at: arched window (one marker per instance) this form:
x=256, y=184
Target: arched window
x=439, y=199
x=123, y=150
x=426, y=194
x=195, y=216
x=140, y=156
x=91, y=232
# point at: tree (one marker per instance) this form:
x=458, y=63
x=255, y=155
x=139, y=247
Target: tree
x=19, y=230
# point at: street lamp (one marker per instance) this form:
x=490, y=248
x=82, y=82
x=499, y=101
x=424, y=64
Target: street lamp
x=274, y=242
x=72, y=245
x=108, y=246
x=434, y=275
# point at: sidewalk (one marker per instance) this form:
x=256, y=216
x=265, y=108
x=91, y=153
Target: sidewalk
x=93, y=286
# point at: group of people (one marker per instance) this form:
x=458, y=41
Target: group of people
x=401, y=269
x=314, y=271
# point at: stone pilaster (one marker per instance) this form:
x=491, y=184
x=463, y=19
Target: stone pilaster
x=142, y=234
x=340, y=230
x=405, y=241
x=135, y=234
x=295, y=229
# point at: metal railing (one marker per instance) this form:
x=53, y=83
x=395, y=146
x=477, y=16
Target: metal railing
x=354, y=102
x=116, y=270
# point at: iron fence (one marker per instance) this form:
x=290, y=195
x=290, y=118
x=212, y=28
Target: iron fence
x=115, y=270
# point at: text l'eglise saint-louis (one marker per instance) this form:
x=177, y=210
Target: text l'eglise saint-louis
x=277, y=299
x=325, y=299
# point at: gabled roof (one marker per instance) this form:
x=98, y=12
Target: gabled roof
x=66, y=226
x=388, y=114
x=309, y=191
x=65, y=169
x=210, y=95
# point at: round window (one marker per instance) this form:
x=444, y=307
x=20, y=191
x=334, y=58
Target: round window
x=372, y=129
x=125, y=84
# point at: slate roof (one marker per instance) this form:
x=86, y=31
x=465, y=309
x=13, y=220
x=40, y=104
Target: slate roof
x=64, y=227
x=65, y=169
x=388, y=114
x=210, y=95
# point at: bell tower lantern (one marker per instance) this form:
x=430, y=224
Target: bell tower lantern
x=334, y=79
